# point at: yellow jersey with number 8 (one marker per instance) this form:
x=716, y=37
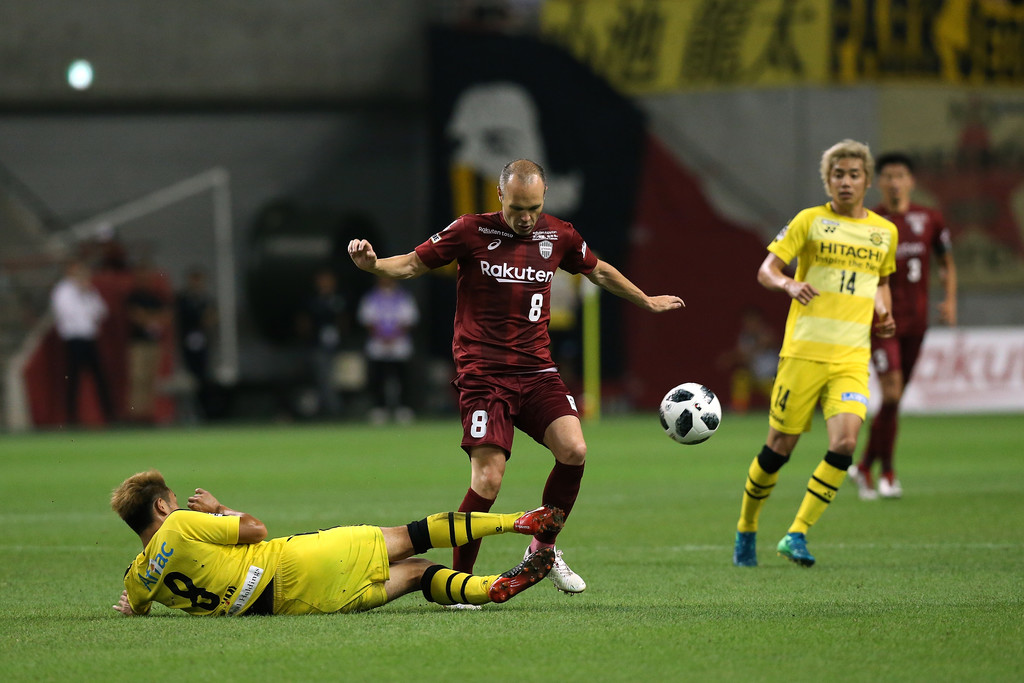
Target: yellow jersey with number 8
x=194, y=563
x=843, y=258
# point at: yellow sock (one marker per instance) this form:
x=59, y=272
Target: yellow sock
x=759, y=486
x=451, y=529
x=821, y=491
x=448, y=587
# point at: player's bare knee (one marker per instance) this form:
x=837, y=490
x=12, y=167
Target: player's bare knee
x=845, y=444
x=574, y=454
x=487, y=483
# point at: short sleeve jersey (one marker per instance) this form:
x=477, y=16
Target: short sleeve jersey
x=503, y=288
x=843, y=258
x=922, y=233
x=193, y=563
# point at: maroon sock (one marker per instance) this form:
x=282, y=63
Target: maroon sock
x=883, y=436
x=560, y=491
x=464, y=557
x=892, y=426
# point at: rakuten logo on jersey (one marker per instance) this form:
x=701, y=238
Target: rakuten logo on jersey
x=503, y=272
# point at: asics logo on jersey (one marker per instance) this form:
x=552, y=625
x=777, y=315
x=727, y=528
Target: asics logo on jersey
x=503, y=272
x=493, y=245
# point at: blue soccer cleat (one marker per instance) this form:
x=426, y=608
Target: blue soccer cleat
x=794, y=547
x=745, y=553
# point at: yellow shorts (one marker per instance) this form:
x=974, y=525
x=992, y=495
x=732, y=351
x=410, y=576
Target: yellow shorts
x=334, y=570
x=802, y=384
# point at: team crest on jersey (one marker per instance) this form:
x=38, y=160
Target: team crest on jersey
x=917, y=221
x=546, y=249
x=876, y=238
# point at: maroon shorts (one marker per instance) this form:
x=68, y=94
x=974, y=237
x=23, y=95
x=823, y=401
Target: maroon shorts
x=492, y=407
x=896, y=353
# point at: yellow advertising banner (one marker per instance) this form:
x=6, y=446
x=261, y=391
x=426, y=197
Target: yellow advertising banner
x=978, y=42
x=649, y=46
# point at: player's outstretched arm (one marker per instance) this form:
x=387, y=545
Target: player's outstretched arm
x=770, y=276
x=400, y=267
x=250, y=529
x=608, y=278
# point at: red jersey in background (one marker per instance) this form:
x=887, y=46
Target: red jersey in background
x=922, y=232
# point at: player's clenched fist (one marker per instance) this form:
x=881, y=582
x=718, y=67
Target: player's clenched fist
x=362, y=254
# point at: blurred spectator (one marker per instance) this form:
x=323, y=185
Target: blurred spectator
x=78, y=311
x=388, y=313
x=148, y=321
x=196, y=318
x=753, y=362
x=323, y=322
x=105, y=251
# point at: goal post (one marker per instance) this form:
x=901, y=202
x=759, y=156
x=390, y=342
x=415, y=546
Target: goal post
x=216, y=181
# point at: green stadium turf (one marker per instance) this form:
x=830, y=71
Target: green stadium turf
x=925, y=588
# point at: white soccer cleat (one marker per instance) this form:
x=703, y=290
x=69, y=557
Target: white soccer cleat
x=889, y=488
x=564, y=578
x=863, y=480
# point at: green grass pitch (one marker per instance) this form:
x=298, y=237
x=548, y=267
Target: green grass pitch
x=930, y=587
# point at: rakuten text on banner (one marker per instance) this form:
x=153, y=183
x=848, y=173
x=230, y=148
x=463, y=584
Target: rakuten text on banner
x=969, y=370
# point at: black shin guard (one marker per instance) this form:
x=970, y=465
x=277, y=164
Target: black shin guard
x=770, y=461
x=419, y=535
x=838, y=460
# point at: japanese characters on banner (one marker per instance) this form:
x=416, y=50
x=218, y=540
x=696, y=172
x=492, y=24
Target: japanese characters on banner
x=648, y=46
x=969, y=370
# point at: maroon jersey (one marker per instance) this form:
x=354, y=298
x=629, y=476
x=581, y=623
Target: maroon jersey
x=922, y=231
x=504, y=288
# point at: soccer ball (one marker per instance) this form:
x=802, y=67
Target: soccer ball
x=690, y=413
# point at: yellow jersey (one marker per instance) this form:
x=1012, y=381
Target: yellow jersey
x=843, y=258
x=193, y=563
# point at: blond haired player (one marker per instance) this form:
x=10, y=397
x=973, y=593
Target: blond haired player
x=845, y=254
x=211, y=560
